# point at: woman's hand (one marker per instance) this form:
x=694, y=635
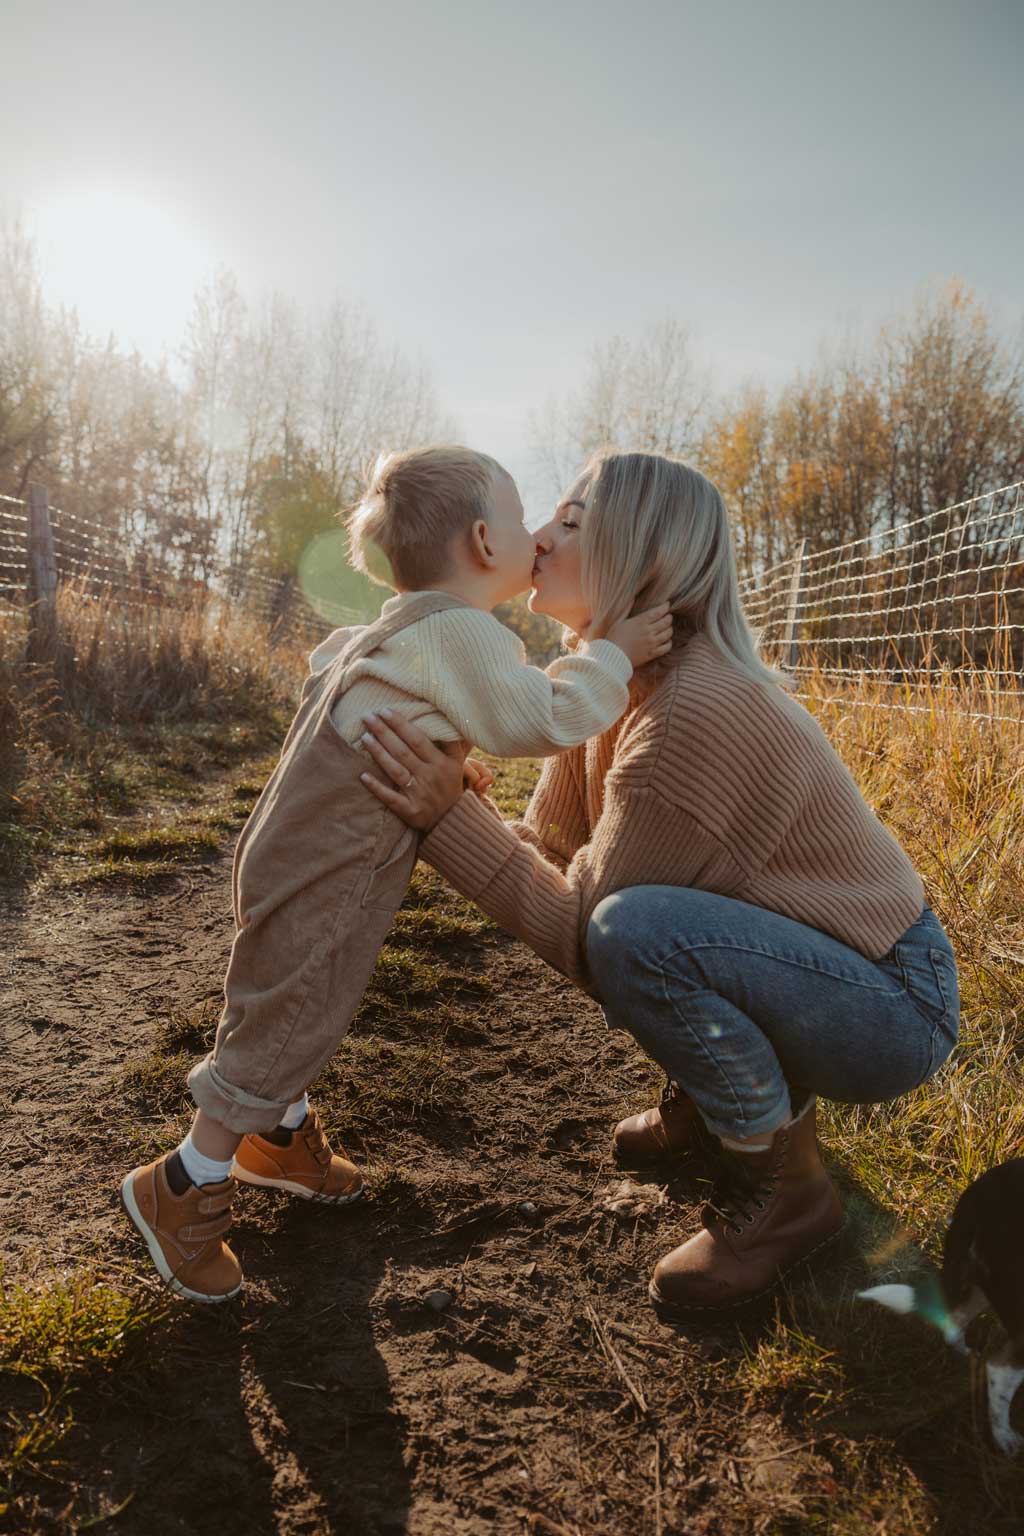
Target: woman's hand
x=425, y=780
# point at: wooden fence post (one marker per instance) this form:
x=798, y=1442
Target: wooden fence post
x=279, y=610
x=791, y=639
x=42, y=578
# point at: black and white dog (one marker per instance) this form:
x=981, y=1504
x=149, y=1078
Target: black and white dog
x=982, y=1270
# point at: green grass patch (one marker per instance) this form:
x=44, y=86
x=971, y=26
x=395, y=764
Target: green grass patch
x=54, y=1337
x=154, y=843
x=513, y=783
x=375, y=1088
x=153, y=1082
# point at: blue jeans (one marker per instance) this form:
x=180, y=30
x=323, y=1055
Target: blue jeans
x=746, y=1009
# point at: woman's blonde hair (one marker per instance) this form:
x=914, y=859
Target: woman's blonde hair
x=653, y=531
x=414, y=505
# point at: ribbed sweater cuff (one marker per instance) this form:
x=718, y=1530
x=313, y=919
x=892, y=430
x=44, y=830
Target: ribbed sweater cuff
x=611, y=656
x=469, y=845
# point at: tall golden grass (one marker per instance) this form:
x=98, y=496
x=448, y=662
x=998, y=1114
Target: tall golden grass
x=949, y=783
x=127, y=673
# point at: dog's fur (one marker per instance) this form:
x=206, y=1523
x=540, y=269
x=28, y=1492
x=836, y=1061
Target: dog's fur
x=982, y=1270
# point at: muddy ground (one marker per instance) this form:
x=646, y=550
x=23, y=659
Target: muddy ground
x=479, y=1089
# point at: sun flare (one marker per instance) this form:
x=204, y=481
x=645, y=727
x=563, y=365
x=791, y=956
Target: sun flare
x=128, y=265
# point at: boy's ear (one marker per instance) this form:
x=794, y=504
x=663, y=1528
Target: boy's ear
x=480, y=543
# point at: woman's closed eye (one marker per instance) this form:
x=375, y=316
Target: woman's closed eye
x=567, y=523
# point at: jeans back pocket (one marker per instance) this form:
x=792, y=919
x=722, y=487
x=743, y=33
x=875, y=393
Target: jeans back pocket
x=928, y=971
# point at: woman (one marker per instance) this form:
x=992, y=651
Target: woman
x=709, y=871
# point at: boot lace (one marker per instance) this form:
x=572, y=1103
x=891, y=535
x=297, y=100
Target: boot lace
x=739, y=1191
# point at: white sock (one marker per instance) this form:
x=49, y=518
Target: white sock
x=296, y=1113
x=200, y=1168
x=752, y=1143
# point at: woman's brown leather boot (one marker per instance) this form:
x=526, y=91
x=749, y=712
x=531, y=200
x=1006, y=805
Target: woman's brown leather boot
x=671, y=1129
x=769, y=1211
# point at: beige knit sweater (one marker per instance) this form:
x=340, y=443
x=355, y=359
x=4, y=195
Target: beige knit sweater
x=713, y=781
x=462, y=675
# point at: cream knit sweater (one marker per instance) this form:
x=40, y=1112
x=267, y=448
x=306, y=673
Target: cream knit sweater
x=462, y=675
x=713, y=781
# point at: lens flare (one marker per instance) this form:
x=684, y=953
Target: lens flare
x=331, y=587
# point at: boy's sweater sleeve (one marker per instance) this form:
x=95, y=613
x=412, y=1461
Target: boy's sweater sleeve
x=513, y=882
x=326, y=651
x=488, y=691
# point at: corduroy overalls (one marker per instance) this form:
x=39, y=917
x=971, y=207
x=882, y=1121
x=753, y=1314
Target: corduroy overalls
x=320, y=868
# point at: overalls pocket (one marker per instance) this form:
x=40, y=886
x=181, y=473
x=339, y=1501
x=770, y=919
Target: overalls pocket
x=387, y=884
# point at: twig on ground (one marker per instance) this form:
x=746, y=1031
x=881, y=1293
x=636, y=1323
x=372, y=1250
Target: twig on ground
x=657, y=1487
x=790, y=1450
x=538, y=1522
x=611, y=1354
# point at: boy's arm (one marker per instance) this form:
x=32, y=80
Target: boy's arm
x=495, y=699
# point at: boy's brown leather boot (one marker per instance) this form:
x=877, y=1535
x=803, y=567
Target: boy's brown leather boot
x=671, y=1129
x=299, y=1163
x=769, y=1211
x=184, y=1233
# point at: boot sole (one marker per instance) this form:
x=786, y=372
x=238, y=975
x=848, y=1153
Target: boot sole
x=156, y=1253
x=687, y=1309
x=285, y=1186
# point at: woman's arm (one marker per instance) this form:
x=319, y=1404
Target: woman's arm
x=554, y=821
x=511, y=881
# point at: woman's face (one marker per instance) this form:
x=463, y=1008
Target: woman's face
x=557, y=590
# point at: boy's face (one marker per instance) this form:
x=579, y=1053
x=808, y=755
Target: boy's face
x=514, y=547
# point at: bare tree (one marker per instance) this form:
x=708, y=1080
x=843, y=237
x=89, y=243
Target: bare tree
x=648, y=395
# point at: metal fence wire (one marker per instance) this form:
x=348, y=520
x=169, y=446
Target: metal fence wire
x=940, y=596
x=133, y=578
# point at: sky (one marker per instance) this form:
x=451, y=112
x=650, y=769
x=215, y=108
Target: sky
x=502, y=186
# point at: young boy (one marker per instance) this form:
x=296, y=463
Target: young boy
x=321, y=866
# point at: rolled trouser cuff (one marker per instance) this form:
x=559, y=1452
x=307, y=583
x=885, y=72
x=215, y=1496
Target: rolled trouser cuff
x=232, y=1107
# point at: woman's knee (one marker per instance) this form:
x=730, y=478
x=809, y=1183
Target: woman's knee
x=615, y=932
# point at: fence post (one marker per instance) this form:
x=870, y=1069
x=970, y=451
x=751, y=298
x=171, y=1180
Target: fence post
x=42, y=578
x=280, y=605
x=791, y=637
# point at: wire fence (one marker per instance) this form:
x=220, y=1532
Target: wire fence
x=938, y=597
x=130, y=576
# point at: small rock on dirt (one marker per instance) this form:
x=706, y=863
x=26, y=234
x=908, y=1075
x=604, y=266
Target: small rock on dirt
x=438, y=1300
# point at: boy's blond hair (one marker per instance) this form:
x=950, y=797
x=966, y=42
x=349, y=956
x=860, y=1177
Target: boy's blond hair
x=414, y=505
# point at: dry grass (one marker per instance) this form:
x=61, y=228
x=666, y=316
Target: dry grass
x=951, y=787
x=146, y=703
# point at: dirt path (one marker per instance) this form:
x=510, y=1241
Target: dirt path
x=86, y=974
x=542, y=1396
